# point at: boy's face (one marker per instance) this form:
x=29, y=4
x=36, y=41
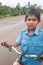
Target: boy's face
x=31, y=22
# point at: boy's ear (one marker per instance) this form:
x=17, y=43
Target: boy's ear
x=39, y=21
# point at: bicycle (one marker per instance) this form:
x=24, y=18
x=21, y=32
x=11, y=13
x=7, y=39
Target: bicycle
x=19, y=60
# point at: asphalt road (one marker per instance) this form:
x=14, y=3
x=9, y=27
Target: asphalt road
x=7, y=57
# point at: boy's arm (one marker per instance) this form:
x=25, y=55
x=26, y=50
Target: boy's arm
x=15, y=45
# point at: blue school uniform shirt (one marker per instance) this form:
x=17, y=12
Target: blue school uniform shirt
x=31, y=45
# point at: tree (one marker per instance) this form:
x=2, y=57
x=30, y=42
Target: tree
x=0, y=4
x=39, y=8
x=35, y=5
x=29, y=4
x=18, y=6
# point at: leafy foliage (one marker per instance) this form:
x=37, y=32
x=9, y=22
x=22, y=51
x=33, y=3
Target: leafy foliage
x=6, y=11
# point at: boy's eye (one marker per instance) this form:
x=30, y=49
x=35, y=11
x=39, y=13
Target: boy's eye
x=32, y=19
x=29, y=19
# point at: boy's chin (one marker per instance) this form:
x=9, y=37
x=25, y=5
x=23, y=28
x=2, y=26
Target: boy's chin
x=31, y=28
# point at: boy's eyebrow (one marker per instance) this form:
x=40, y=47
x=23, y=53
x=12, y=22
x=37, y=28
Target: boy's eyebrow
x=32, y=19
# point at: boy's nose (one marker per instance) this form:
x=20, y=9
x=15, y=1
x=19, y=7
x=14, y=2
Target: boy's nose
x=31, y=21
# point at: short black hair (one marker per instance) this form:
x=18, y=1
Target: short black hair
x=33, y=12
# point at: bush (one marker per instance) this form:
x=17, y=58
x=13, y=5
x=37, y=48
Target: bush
x=7, y=15
x=1, y=16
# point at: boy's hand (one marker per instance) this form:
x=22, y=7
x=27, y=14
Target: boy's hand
x=3, y=43
x=40, y=58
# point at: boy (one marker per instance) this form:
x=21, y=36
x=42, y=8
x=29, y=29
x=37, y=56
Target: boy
x=31, y=39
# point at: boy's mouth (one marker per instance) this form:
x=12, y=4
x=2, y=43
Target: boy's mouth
x=31, y=25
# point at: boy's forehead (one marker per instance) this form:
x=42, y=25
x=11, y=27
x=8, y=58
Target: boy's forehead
x=31, y=16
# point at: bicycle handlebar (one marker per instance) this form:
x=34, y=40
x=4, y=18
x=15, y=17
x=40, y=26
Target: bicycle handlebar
x=25, y=55
x=10, y=47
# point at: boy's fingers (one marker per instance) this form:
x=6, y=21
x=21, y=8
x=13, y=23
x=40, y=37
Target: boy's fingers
x=3, y=43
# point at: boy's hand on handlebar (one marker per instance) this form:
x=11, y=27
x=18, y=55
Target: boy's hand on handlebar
x=3, y=44
x=40, y=58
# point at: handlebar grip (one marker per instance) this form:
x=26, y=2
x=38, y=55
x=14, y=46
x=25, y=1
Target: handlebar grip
x=8, y=46
x=5, y=44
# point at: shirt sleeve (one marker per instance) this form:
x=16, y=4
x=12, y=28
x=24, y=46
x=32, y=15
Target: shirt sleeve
x=18, y=40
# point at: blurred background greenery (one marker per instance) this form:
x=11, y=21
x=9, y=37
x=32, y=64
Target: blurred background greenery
x=7, y=11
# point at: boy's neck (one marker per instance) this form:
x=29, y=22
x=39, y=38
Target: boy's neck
x=31, y=32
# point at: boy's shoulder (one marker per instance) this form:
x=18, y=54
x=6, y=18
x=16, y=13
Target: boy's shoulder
x=24, y=30
x=41, y=31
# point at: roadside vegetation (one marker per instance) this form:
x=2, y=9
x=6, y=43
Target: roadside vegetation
x=7, y=11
